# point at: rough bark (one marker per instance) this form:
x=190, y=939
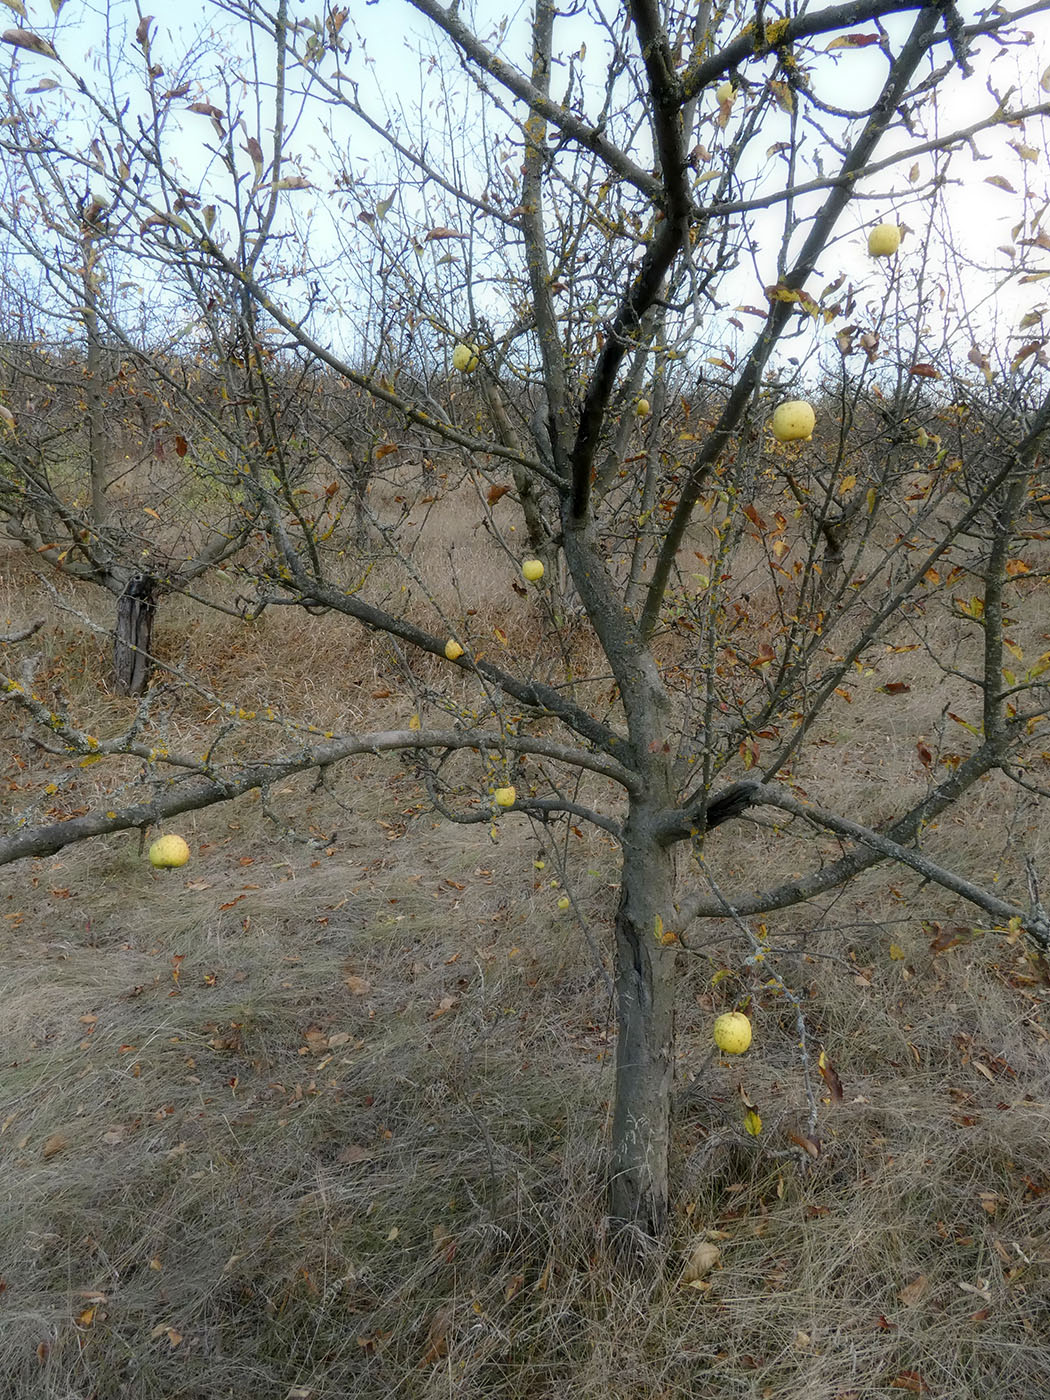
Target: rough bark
x=133, y=636
x=645, y=966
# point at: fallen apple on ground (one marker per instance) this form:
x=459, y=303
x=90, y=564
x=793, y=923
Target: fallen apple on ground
x=453, y=650
x=505, y=797
x=532, y=569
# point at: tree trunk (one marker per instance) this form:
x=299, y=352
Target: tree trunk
x=134, y=633
x=638, y=1189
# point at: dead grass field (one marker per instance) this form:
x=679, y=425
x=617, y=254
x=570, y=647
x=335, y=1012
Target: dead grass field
x=309, y=1121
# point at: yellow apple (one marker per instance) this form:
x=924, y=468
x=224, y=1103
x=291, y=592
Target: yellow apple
x=168, y=852
x=465, y=358
x=884, y=240
x=505, y=797
x=532, y=569
x=453, y=650
x=794, y=421
x=641, y=408
x=725, y=92
x=732, y=1033
x=564, y=902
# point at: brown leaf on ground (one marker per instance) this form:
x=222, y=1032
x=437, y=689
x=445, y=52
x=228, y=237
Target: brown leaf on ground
x=915, y=1291
x=354, y=1153
x=700, y=1260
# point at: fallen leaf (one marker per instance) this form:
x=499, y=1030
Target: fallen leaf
x=909, y=1380
x=913, y=1292
x=353, y=1153
x=701, y=1259
x=811, y=1148
x=830, y=1076
x=437, y=1335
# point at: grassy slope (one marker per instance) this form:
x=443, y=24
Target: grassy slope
x=328, y=1121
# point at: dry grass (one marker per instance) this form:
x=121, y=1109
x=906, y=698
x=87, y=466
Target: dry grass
x=331, y=1120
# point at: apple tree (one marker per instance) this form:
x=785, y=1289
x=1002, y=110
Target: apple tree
x=648, y=223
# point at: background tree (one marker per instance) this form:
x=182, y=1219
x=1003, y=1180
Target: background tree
x=631, y=241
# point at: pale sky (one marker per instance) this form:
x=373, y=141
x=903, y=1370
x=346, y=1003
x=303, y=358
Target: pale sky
x=388, y=69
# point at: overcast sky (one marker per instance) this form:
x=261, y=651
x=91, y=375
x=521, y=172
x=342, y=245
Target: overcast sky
x=385, y=59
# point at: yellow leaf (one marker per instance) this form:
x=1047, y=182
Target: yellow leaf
x=897, y=953
x=871, y=499
x=847, y=484
x=752, y=1122
x=783, y=94
x=413, y=723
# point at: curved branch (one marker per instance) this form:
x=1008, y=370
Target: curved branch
x=780, y=313
x=873, y=846
x=885, y=848
x=22, y=634
x=781, y=34
x=195, y=795
x=526, y=692
x=514, y=81
x=363, y=381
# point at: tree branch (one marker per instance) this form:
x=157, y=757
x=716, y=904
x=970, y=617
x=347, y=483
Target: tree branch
x=243, y=778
